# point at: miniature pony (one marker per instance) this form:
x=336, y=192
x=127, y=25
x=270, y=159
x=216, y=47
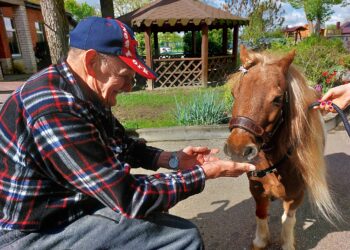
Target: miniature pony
x=273, y=128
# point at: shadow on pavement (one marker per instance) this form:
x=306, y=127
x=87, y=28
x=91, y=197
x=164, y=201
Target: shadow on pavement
x=234, y=227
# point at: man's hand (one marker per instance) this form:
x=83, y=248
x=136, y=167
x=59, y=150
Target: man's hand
x=190, y=156
x=223, y=168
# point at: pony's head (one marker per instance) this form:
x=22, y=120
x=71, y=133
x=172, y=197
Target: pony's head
x=260, y=93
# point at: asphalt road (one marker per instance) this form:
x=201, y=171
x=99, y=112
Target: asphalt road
x=224, y=211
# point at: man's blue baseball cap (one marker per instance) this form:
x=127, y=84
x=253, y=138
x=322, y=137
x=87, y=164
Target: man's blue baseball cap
x=110, y=36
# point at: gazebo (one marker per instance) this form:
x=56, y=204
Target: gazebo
x=185, y=16
x=294, y=32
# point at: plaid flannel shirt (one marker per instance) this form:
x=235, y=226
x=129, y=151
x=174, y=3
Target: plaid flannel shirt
x=63, y=155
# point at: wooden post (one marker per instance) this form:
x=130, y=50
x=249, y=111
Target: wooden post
x=224, y=40
x=194, y=44
x=205, y=55
x=148, y=55
x=235, y=45
x=156, y=44
x=107, y=9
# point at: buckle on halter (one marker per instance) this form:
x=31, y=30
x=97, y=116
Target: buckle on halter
x=258, y=174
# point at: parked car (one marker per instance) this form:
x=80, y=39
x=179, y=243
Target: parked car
x=165, y=49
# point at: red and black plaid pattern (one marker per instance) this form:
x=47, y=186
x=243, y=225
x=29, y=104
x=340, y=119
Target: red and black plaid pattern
x=63, y=154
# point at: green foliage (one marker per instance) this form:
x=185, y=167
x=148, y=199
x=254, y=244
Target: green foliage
x=204, y=109
x=214, y=43
x=79, y=11
x=255, y=30
x=264, y=15
x=121, y=7
x=171, y=40
x=315, y=55
x=18, y=67
x=228, y=98
x=331, y=27
x=331, y=78
x=140, y=38
x=276, y=33
x=263, y=20
x=345, y=61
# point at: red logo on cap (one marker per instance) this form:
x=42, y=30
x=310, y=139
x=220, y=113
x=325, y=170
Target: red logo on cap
x=129, y=44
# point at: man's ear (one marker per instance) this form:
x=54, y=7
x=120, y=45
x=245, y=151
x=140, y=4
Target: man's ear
x=90, y=62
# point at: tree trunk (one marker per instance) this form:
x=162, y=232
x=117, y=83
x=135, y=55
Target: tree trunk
x=56, y=28
x=311, y=26
x=317, y=27
x=107, y=8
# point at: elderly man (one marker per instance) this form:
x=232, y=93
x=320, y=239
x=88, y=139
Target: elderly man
x=65, y=160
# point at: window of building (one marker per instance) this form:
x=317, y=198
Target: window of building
x=12, y=37
x=40, y=35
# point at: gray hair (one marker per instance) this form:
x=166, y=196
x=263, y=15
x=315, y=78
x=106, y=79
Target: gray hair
x=75, y=52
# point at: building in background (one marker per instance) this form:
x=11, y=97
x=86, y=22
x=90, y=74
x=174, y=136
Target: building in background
x=23, y=44
x=341, y=31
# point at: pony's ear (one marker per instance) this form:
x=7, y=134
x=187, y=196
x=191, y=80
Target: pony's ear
x=243, y=53
x=246, y=57
x=286, y=61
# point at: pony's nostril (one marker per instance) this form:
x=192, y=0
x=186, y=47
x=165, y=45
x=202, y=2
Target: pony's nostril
x=250, y=152
x=225, y=149
x=247, y=151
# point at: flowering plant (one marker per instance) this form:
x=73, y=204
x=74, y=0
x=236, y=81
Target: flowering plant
x=331, y=78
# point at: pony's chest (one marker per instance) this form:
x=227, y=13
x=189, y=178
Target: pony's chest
x=286, y=182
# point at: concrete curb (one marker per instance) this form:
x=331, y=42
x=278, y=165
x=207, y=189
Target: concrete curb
x=207, y=132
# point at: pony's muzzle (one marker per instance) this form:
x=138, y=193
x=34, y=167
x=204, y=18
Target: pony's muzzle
x=242, y=154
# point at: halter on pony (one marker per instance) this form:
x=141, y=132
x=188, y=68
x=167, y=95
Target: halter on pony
x=255, y=129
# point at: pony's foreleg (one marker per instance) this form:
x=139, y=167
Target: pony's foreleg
x=288, y=223
x=262, y=234
x=287, y=235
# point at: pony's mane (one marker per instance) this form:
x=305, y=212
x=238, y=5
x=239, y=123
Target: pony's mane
x=307, y=138
x=306, y=135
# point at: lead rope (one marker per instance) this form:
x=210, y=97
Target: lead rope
x=340, y=112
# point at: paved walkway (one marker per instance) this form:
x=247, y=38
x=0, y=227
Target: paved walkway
x=9, y=84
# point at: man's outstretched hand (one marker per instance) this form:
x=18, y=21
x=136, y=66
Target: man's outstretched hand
x=225, y=168
x=190, y=156
x=213, y=167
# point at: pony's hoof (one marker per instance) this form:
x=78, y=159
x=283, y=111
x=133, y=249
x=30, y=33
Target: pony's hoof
x=259, y=245
x=258, y=248
x=288, y=247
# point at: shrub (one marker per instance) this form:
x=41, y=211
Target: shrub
x=316, y=55
x=18, y=67
x=204, y=109
x=228, y=98
x=331, y=78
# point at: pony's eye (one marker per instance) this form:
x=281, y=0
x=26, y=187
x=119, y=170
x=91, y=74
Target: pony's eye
x=278, y=100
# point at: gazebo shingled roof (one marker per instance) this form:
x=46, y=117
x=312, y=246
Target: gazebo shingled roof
x=175, y=13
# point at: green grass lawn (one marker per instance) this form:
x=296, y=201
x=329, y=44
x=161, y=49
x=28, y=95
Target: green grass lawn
x=154, y=109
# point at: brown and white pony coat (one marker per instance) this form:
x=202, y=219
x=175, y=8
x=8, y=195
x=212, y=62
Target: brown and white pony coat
x=272, y=95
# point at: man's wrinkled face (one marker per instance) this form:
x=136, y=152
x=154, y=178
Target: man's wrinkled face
x=114, y=77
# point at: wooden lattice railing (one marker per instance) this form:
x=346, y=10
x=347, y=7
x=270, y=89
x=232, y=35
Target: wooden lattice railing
x=177, y=72
x=219, y=67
